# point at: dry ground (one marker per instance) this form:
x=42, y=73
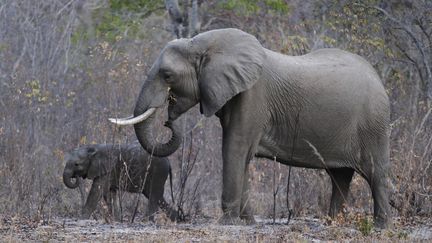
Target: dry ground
x=207, y=230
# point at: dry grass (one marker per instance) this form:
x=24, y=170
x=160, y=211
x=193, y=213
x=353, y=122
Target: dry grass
x=300, y=229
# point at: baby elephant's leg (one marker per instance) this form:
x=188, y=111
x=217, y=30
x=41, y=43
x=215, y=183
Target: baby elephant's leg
x=112, y=203
x=154, y=191
x=157, y=199
x=151, y=193
x=93, y=198
x=173, y=214
x=116, y=205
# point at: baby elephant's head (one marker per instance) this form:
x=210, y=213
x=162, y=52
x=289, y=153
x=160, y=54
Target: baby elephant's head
x=78, y=164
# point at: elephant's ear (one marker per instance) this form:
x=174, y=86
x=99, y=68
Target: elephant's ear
x=99, y=164
x=231, y=62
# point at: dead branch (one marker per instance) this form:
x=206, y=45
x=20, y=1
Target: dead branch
x=417, y=44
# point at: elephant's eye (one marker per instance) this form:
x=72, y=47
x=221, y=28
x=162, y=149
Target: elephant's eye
x=167, y=76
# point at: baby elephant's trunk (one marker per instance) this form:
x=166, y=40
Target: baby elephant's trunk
x=67, y=179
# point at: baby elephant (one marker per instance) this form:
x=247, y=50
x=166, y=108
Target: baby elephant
x=118, y=167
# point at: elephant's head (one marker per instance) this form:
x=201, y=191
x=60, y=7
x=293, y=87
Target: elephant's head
x=209, y=69
x=86, y=162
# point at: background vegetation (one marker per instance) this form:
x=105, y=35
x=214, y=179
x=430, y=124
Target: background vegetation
x=68, y=65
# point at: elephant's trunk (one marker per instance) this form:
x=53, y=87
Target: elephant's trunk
x=67, y=179
x=152, y=97
x=143, y=131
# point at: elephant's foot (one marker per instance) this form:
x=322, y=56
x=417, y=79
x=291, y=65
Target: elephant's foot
x=173, y=216
x=230, y=220
x=382, y=222
x=85, y=215
x=81, y=217
x=244, y=219
x=247, y=216
x=118, y=218
x=249, y=219
x=151, y=217
x=176, y=216
x=335, y=212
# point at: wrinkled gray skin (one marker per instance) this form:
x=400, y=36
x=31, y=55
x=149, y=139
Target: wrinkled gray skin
x=105, y=165
x=325, y=110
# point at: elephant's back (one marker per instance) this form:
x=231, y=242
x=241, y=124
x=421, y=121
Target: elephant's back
x=326, y=72
x=333, y=60
x=328, y=84
x=356, y=76
x=322, y=62
x=335, y=56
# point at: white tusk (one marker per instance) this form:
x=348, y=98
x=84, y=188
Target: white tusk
x=122, y=119
x=132, y=120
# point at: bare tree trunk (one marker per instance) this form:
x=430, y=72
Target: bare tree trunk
x=194, y=25
x=186, y=24
x=420, y=48
x=174, y=12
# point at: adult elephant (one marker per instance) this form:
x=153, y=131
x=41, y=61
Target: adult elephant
x=326, y=110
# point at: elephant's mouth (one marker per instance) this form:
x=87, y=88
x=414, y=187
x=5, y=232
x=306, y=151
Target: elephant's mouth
x=78, y=174
x=81, y=174
x=70, y=181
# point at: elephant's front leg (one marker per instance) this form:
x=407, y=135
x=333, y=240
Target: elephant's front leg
x=237, y=151
x=246, y=211
x=233, y=173
x=95, y=194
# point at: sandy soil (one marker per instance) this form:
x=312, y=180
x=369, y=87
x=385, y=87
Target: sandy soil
x=205, y=230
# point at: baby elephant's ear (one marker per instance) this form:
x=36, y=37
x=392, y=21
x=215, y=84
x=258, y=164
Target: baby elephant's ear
x=99, y=164
x=91, y=152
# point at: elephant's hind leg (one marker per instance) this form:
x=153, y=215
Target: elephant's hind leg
x=110, y=197
x=341, y=179
x=375, y=170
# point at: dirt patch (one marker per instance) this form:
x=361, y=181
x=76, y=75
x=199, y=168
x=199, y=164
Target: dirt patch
x=204, y=230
